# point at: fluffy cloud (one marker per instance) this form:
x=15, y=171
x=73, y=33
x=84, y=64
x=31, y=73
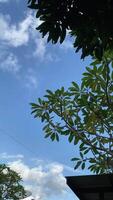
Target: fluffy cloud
x=15, y=35
x=7, y=156
x=40, y=48
x=23, y=32
x=10, y=64
x=19, y=34
x=30, y=80
x=3, y=1
x=6, y=1
x=29, y=198
x=44, y=182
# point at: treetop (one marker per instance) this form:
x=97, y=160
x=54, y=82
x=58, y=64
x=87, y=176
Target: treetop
x=90, y=22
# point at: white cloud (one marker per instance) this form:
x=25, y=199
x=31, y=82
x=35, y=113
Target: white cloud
x=44, y=182
x=40, y=48
x=10, y=64
x=30, y=80
x=22, y=33
x=15, y=34
x=29, y=198
x=7, y=156
x=3, y=1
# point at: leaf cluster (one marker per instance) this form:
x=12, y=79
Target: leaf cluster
x=85, y=115
x=90, y=22
x=10, y=187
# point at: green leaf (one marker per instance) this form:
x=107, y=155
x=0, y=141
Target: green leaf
x=70, y=138
x=63, y=35
x=53, y=137
x=49, y=92
x=57, y=137
x=92, y=160
x=39, y=100
x=75, y=159
x=35, y=110
x=95, y=150
x=76, y=140
x=81, y=155
x=81, y=115
x=78, y=164
x=81, y=145
x=47, y=135
x=86, y=151
x=83, y=165
x=34, y=105
x=75, y=85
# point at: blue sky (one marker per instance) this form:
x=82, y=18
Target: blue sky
x=29, y=66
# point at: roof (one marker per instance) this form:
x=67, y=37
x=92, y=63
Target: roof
x=92, y=187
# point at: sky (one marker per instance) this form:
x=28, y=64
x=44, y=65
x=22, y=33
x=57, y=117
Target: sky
x=28, y=67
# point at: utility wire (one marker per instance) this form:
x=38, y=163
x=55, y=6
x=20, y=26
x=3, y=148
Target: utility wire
x=17, y=141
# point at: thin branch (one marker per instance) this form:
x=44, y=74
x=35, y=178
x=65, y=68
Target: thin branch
x=89, y=143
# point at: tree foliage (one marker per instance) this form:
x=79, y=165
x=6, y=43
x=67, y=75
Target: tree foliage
x=82, y=113
x=85, y=115
x=90, y=22
x=10, y=187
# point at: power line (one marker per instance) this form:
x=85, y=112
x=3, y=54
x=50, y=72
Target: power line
x=17, y=141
